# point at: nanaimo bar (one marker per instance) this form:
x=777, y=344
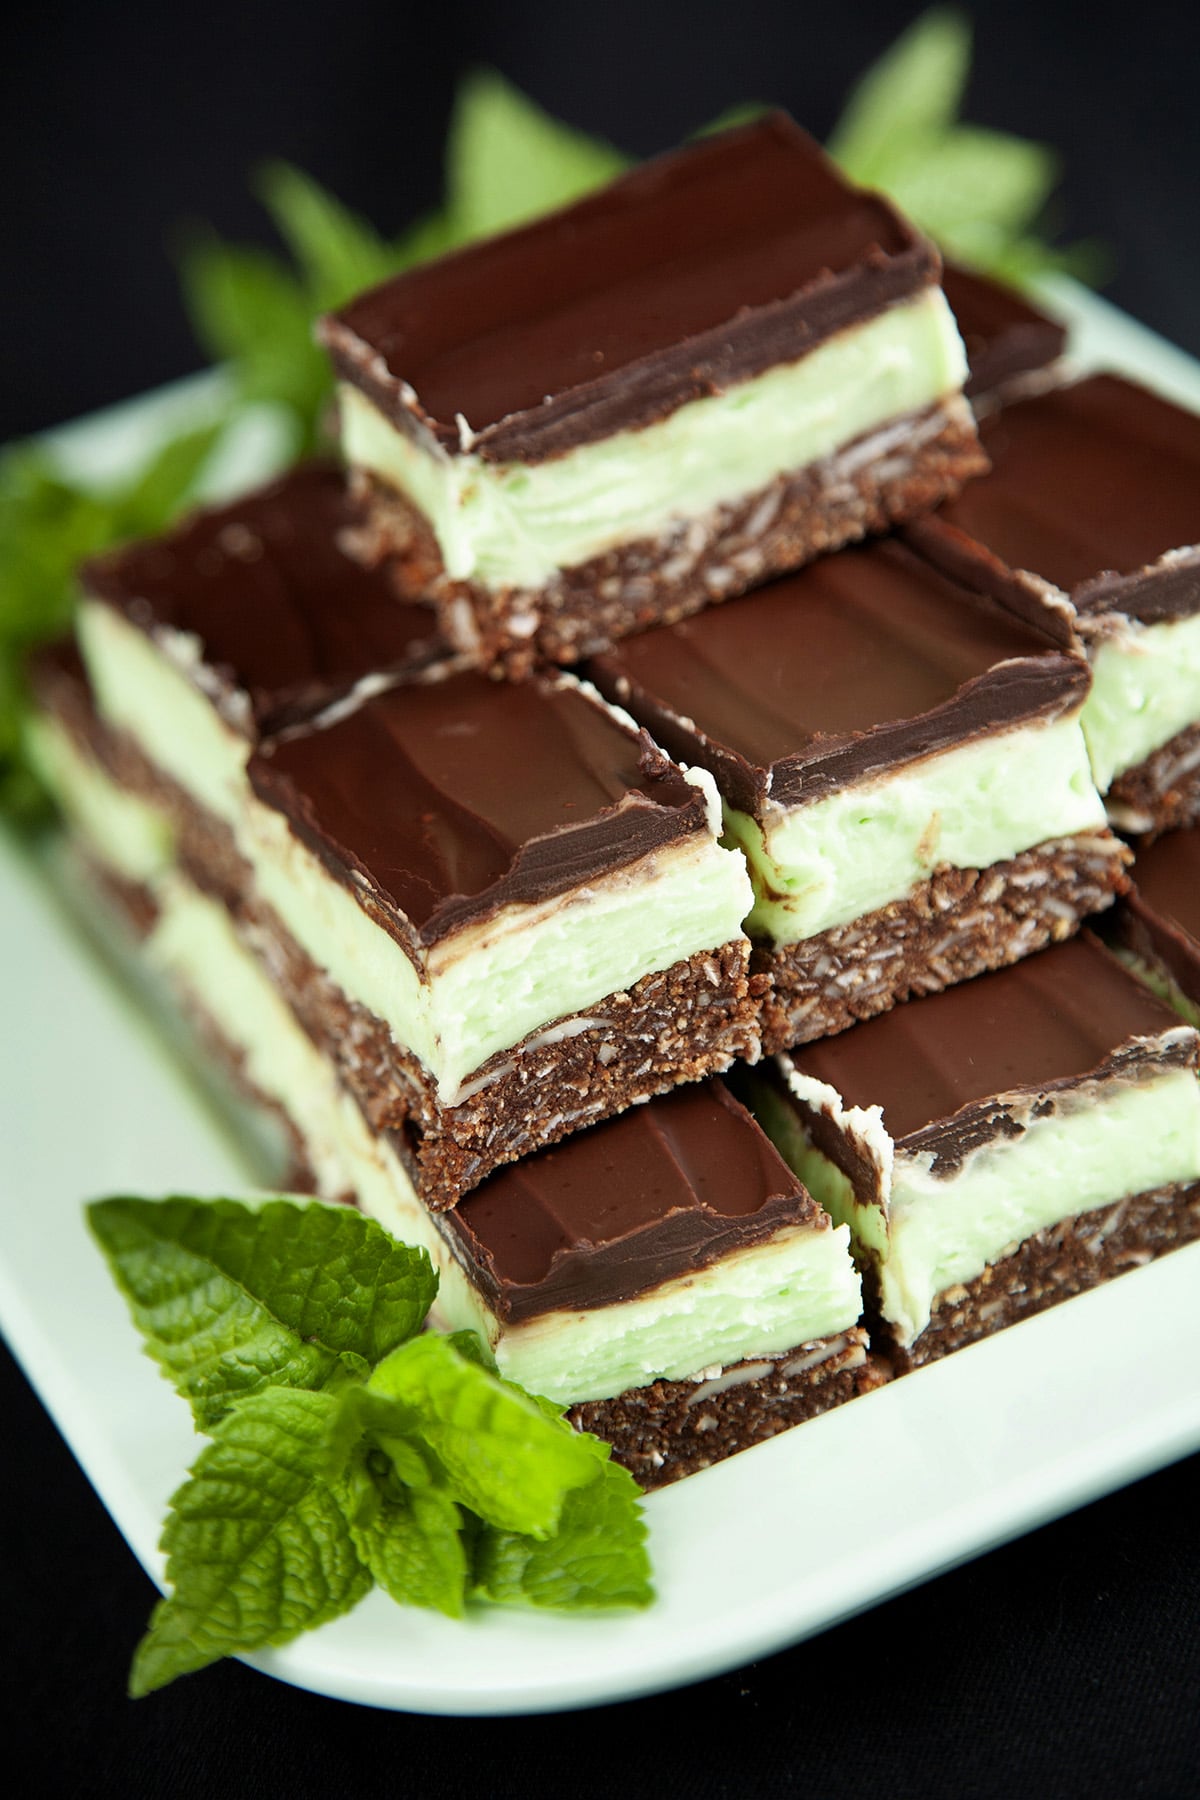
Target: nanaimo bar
x=721, y=365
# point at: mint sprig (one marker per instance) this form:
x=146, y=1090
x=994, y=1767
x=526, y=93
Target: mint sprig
x=349, y=1447
x=981, y=194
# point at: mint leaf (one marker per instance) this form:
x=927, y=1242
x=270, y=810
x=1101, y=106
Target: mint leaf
x=408, y=1533
x=976, y=189
x=258, y=1548
x=167, y=483
x=499, y=1453
x=912, y=92
x=507, y=160
x=978, y=193
x=248, y=309
x=596, y=1558
x=231, y=1299
x=339, y=254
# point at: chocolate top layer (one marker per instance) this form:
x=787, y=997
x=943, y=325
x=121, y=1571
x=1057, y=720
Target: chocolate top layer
x=1043, y=1023
x=858, y=663
x=1090, y=486
x=659, y=1192
x=1004, y=336
x=695, y=271
x=438, y=804
x=284, y=616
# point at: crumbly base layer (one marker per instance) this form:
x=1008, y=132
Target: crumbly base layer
x=682, y=1024
x=1066, y=1259
x=959, y=923
x=1160, y=794
x=675, y=1428
x=890, y=475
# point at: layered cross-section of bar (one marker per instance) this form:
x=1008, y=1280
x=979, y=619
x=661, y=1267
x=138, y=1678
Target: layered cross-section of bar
x=716, y=368
x=502, y=910
x=1001, y=1146
x=1094, y=502
x=901, y=761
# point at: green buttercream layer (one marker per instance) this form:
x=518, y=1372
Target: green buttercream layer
x=514, y=525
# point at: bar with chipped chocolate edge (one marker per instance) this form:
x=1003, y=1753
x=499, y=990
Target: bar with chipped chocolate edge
x=997, y=1147
x=901, y=760
x=723, y=364
x=1093, y=505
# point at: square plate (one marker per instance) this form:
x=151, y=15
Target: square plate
x=766, y=1549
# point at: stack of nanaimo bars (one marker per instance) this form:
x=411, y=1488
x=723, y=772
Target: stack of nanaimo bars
x=631, y=821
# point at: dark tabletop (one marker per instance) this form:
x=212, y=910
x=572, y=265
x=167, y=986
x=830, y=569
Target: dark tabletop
x=1065, y=1664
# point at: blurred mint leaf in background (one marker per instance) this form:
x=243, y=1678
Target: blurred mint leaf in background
x=980, y=194
x=508, y=161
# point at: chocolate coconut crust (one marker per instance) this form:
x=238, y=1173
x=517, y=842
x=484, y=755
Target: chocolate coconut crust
x=879, y=480
x=1004, y=336
x=1162, y=792
x=1063, y=1260
x=284, y=622
x=958, y=924
x=437, y=805
x=657, y=1193
x=1094, y=488
x=670, y=1429
x=698, y=270
x=845, y=670
x=680, y=1025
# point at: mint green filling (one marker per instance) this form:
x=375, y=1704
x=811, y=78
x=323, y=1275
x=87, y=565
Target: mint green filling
x=828, y=1185
x=821, y=865
x=131, y=837
x=513, y=524
x=800, y=1286
x=488, y=988
x=938, y=1231
x=948, y=1231
x=1145, y=689
x=139, y=690
x=1162, y=984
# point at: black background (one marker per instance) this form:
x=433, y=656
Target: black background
x=1066, y=1664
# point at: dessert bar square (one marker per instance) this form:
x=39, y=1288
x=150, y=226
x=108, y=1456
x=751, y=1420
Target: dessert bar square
x=726, y=362
x=1001, y=1146
x=501, y=910
x=901, y=761
x=1094, y=501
